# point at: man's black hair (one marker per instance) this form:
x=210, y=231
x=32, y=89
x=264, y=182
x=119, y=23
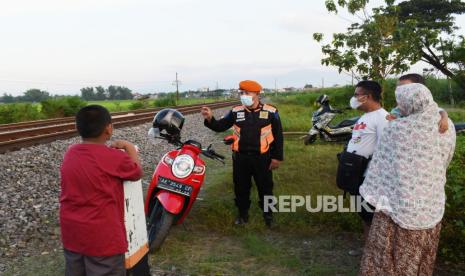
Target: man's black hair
x=415, y=78
x=92, y=120
x=372, y=88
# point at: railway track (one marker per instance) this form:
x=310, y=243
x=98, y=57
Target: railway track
x=25, y=134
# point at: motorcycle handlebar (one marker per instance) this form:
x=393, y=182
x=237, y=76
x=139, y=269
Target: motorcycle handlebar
x=208, y=152
x=213, y=155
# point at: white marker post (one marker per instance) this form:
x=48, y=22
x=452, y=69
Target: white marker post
x=134, y=219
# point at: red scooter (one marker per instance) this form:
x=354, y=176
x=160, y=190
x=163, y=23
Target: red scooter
x=177, y=178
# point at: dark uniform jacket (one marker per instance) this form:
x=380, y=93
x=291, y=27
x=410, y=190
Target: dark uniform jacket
x=255, y=131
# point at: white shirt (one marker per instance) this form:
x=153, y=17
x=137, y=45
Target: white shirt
x=367, y=132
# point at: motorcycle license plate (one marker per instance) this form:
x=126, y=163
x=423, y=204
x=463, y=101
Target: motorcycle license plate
x=170, y=185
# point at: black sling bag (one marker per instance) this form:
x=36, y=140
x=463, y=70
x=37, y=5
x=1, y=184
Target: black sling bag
x=350, y=171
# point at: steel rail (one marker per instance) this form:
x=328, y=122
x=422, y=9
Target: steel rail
x=58, y=121
x=15, y=140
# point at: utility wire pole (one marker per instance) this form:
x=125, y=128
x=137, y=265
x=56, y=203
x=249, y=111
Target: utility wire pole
x=275, y=88
x=176, y=82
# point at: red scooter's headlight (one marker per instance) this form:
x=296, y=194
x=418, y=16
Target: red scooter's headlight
x=183, y=165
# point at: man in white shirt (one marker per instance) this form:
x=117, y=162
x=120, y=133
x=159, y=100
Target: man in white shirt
x=367, y=132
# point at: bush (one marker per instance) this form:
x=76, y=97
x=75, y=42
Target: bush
x=165, y=101
x=12, y=113
x=62, y=107
x=452, y=244
x=340, y=96
x=137, y=105
x=440, y=90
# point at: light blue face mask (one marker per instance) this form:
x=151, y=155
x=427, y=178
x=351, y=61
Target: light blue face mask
x=247, y=100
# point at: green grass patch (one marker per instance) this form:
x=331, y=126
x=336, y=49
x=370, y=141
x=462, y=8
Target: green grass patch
x=42, y=265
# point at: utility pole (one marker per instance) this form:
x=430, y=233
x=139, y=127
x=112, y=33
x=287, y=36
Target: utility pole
x=176, y=82
x=275, y=88
x=451, y=95
x=177, y=89
x=322, y=82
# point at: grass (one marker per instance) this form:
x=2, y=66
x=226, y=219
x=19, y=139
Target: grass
x=49, y=264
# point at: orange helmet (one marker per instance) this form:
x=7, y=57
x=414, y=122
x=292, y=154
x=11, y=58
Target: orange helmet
x=250, y=86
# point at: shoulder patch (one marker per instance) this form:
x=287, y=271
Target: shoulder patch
x=269, y=108
x=238, y=108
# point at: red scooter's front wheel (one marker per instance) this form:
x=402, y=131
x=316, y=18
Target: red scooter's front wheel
x=158, y=225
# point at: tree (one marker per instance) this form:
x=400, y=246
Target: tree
x=119, y=93
x=308, y=86
x=87, y=93
x=100, y=95
x=432, y=28
x=393, y=37
x=7, y=98
x=112, y=92
x=35, y=95
x=124, y=93
x=457, y=57
x=368, y=50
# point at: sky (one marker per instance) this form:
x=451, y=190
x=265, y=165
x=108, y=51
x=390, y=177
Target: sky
x=64, y=45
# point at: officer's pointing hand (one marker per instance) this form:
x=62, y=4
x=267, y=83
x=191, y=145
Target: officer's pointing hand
x=206, y=113
x=274, y=164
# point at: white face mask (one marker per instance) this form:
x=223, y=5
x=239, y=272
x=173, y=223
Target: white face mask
x=247, y=100
x=355, y=103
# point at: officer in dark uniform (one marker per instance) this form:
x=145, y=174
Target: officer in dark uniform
x=257, y=147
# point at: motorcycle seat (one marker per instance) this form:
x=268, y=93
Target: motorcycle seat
x=346, y=123
x=459, y=127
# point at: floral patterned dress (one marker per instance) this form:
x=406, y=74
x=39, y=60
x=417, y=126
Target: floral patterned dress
x=405, y=181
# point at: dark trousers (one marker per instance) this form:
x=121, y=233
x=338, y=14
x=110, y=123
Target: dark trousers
x=246, y=166
x=82, y=265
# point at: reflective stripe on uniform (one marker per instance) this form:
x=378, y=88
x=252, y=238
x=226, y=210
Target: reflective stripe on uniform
x=237, y=137
x=266, y=138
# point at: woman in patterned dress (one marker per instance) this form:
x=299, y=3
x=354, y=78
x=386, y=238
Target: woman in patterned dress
x=405, y=181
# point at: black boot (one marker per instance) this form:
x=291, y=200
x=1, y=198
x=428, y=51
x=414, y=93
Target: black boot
x=242, y=219
x=268, y=217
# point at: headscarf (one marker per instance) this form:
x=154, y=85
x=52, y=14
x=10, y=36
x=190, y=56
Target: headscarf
x=407, y=174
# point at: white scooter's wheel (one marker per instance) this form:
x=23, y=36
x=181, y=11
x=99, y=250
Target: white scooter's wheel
x=309, y=139
x=158, y=226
